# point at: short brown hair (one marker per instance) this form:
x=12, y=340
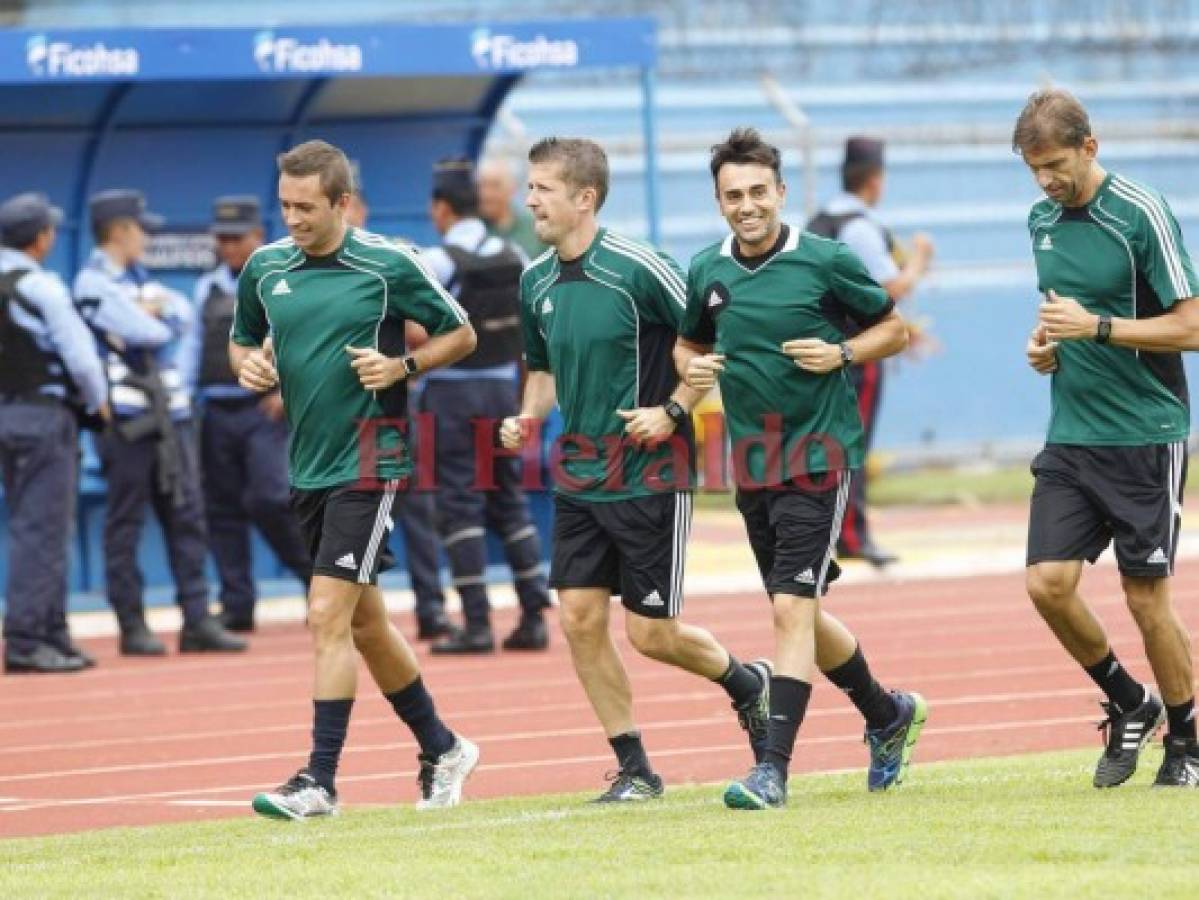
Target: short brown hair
x=584, y=163
x=1051, y=118
x=323, y=159
x=744, y=146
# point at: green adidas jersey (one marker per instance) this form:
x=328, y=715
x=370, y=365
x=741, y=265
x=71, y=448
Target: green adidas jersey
x=784, y=422
x=1120, y=255
x=605, y=325
x=314, y=307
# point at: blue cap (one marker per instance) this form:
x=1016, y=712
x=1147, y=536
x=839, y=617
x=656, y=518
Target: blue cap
x=864, y=151
x=24, y=217
x=454, y=181
x=235, y=215
x=123, y=203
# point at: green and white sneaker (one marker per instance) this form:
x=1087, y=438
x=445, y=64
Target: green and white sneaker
x=300, y=798
x=891, y=747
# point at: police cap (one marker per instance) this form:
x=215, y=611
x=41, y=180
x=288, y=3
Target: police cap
x=122, y=203
x=24, y=217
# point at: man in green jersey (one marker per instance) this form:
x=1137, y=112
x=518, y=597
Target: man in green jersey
x=332, y=302
x=777, y=304
x=600, y=314
x=1119, y=304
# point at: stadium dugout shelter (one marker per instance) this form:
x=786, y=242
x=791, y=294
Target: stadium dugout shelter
x=187, y=114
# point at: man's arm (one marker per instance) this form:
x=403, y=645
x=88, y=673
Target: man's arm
x=865, y=238
x=885, y=338
x=107, y=307
x=378, y=372
x=1065, y=319
x=69, y=336
x=254, y=366
x=913, y=269
x=538, y=402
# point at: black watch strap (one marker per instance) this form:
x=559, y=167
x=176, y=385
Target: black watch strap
x=675, y=410
x=1103, y=333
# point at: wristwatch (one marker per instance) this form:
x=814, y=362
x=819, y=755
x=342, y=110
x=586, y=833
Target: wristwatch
x=1103, y=333
x=675, y=410
x=846, y=355
x=410, y=366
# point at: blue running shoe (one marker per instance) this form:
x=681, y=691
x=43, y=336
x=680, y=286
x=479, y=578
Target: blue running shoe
x=891, y=747
x=762, y=788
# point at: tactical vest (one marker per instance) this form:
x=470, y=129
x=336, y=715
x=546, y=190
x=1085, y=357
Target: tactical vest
x=25, y=368
x=830, y=225
x=488, y=288
x=216, y=321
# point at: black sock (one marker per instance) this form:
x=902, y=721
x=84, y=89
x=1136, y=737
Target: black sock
x=740, y=683
x=788, y=703
x=1113, y=679
x=1182, y=719
x=414, y=704
x=874, y=702
x=330, y=719
x=630, y=753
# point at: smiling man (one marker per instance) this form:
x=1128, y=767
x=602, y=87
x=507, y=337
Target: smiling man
x=332, y=301
x=1119, y=305
x=777, y=305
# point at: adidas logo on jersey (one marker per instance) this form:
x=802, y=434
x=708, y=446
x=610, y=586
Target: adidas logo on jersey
x=653, y=598
x=547, y=307
x=280, y=288
x=1158, y=558
x=806, y=577
x=714, y=299
x=1046, y=243
x=347, y=562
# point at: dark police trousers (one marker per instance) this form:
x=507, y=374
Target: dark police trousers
x=131, y=470
x=464, y=511
x=867, y=381
x=244, y=455
x=39, y=453
x=415, y=512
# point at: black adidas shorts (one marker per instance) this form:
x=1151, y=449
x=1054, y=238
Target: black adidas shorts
x=636, y=548
x=1087, y=497
x=793, y=531
x=347, y=530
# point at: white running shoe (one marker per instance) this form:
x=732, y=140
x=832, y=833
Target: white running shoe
x=300, y=798
x=441, y=781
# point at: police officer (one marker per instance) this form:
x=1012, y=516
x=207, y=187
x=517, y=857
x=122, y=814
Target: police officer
x=498, y=207
x=243, y=435
x=413, y=509
x=483, y=272
x=149, y=453
x=849, y=218
x=49, y=371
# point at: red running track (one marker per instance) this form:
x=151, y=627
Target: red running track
x=138, y=742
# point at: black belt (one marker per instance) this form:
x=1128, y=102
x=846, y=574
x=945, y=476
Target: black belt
x=232, y=402
x=34, y=399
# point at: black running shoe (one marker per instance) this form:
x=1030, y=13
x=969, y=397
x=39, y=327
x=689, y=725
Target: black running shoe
x=754, y=716
x=1126, y=735
x=1180, y=768
x=629, y=788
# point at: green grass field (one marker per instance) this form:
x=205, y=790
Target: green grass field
x=1022, y=827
